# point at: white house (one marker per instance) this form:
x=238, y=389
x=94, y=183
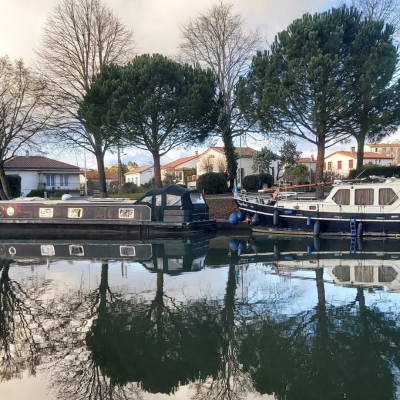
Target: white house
x=214, y=160
x=388, y=149
x=39, y=172
x=309, y=162
x=140, y=175
x=176, y=169
x=341, y=162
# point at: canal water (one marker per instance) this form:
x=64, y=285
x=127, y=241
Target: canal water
x=213, y=317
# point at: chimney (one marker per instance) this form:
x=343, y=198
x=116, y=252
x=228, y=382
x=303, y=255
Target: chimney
x=26, y=153
x=196, y=153
x=353, y=150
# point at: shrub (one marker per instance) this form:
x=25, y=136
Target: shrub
x=130, y=187
x=59, y=193
x=213, y=183
x=387, y=171
x=14, y=183
x=36, y=193
x=251, y=183
x=266, y=178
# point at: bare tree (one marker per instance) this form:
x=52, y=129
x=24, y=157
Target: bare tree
x=22, y=112
x=218, y=40
x=386, y=10
x=207, y=164
x=79, y=37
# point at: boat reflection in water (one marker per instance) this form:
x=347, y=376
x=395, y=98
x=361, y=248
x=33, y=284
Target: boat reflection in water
x=234, y=329
x=349, y=262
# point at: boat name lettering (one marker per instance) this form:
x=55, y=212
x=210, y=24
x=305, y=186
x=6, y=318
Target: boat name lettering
x=127, y=213
x=127, y=251
x=74, y=212
x=45, y=212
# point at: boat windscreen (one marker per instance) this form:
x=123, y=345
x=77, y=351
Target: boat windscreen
x=197, y=198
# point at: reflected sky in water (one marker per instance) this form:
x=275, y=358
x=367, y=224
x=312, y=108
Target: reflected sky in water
x=206, y=318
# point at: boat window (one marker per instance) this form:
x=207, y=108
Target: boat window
x=364, y=273
x=387, y=197
x=364, y=197
x=159, y=200
x=148, y=199
x=386, y=274
x=173, y=200
x=197, y=198
x=342, y=197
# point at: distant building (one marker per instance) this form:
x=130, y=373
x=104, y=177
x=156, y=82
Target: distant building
x=214, y=160
x=341, y=162
x=39, y=172
x=140, y=175
x=309, y=162
x=175, y=170
x=93, y=176
x=387, y=149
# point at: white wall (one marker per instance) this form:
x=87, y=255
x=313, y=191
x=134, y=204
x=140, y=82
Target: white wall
x=345, y=163
x=30, y=180
x=140, y=178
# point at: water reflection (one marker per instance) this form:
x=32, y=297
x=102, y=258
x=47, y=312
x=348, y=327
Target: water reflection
x=244, y=322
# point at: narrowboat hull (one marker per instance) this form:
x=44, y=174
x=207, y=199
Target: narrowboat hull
x=97, y=218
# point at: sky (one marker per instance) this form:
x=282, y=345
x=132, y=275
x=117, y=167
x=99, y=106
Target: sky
x=156, y=30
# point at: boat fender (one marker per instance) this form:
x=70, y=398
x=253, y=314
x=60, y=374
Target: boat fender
x=309, y=250
x=276, y=251
x=360, y=243
x=255, y=220
x=233, y=219
x=241, y=216
x=317, y=228
x=317, y=243
x=360, y=229
x=275, y=218
x=234, y=244
x=309, y=221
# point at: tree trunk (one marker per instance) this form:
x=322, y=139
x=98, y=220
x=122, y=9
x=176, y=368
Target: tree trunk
x=101, y=174
x=4, y=190
x=231, y=157
x=360, y=150
x=319, y=170
x=157, y=169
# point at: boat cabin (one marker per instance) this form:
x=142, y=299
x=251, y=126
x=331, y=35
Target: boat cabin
x=175, y=204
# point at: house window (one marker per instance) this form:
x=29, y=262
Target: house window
x=324, y=165
x=339, y=165
x=376, y=149
x=50, y=180
x=329, y=165
x=364, y=197
x=350, y=164
x=64, y=180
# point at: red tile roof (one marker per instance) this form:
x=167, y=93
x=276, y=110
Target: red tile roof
x=245, y=152
x=95, y=175
x=36, y=162
x=367, y=155
x=138, y=170
x=174, y=164
x=307, y=160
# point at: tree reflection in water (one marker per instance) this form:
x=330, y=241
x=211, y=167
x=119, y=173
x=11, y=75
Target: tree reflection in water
x=328, y=352
x=23, y=339
x=110, y=344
